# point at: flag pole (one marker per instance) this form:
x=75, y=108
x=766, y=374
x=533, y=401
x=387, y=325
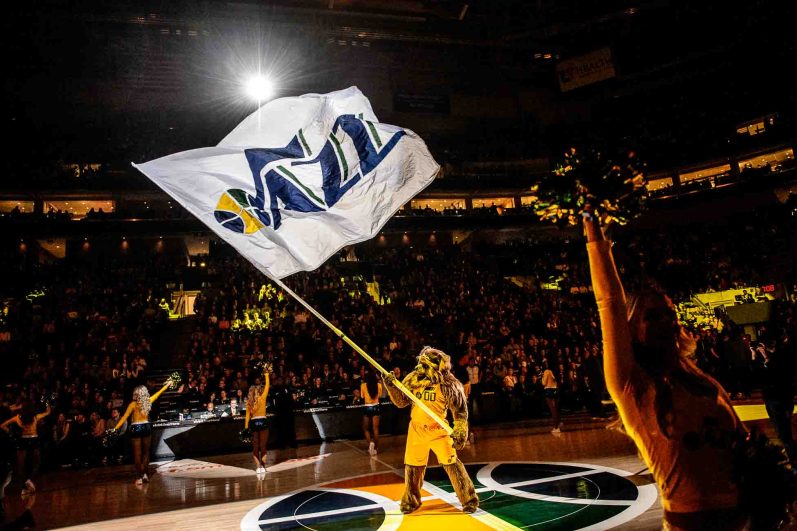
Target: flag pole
x=443, y=424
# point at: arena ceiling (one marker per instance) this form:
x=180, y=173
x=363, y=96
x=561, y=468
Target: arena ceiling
x=77, y=70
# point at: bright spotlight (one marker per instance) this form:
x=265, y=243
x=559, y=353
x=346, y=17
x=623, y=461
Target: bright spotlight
x=259, y=88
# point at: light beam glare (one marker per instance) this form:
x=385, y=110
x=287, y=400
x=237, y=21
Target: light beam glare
x=259, y=88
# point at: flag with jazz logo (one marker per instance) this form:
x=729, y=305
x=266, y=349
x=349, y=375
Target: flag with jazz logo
x=299, y=179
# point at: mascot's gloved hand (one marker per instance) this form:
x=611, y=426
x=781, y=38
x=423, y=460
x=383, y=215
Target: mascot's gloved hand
x=389, y=378
x=460, y=434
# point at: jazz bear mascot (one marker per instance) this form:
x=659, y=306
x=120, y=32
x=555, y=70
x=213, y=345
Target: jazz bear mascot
x=434, y=384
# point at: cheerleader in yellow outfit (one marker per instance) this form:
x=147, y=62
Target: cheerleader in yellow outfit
x=257, y=422
x=28, y=444
x=140, y=427
x=434, y=384
x=371, y=390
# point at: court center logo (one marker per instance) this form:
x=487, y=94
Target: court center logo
x=290, y=178
x=516, y=495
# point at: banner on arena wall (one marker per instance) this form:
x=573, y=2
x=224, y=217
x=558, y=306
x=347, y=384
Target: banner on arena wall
x=299, y=179
x=431, y=103
x=585, y=69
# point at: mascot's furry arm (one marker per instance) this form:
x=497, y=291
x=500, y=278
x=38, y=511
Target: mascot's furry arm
x=458, y=404
x=398, y=398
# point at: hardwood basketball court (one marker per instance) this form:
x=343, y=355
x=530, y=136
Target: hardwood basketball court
x=587, y=477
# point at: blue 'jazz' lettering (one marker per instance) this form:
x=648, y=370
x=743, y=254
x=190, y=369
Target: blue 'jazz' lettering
x=337, y=178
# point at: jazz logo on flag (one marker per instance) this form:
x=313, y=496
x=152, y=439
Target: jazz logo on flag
x=282, y=176
x=299, y=179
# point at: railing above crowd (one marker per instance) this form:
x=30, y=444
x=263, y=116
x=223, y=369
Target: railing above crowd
x=465, y=189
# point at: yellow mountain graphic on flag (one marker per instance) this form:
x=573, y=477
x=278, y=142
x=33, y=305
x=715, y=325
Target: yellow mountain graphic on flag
x=232, y=211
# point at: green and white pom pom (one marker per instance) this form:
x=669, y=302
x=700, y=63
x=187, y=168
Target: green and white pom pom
x=110, y=437
x=263, y=366
x=613, y=188
x=175, y=379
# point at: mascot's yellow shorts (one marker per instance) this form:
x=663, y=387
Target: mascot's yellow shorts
x=424, y=437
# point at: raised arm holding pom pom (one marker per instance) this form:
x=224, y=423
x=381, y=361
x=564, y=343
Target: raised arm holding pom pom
x=255, y=422
x=681, y=420
x=140, y=427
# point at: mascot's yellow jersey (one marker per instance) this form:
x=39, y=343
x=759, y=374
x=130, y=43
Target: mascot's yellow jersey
x=434, y=399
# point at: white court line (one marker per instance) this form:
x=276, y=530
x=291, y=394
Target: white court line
x=647, y=496
x=390, y=508
x=483, y=516
x=331, y=512
x=484, y=477
x=545, y=480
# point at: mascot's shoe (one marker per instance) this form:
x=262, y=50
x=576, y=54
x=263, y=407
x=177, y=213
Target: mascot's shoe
x=413, y=480
x=463, y=486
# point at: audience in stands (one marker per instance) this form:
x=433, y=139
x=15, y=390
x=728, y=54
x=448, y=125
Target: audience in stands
x=85, y=331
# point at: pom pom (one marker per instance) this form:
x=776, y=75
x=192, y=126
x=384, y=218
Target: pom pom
x=263, y=366
x=245, y=435
x=48, y=400
x=174, y=379
x=110, y=438
x=586, y=183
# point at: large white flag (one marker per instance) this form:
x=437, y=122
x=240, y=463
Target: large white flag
x=299, y=179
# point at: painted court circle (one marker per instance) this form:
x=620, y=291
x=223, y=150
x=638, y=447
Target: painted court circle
x=514, y=495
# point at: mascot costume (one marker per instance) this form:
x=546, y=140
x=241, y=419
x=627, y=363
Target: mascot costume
x=434, y=384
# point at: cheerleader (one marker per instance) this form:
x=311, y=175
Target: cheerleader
x=140, y=428
x=551, y=390
x=28, y=444
x=370, y=391
x=256, y=421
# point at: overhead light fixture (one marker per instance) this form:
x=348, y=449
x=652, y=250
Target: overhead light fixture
x=259, y=88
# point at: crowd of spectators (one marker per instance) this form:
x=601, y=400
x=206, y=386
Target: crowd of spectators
x=83, y=332
x=80, y=337
x=243, y=320
x=504, y=336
